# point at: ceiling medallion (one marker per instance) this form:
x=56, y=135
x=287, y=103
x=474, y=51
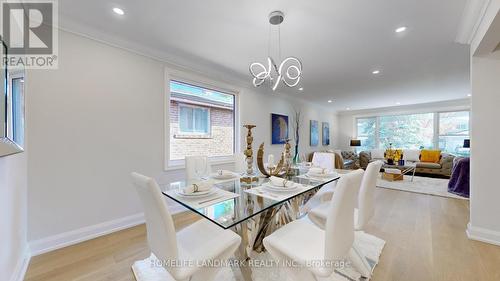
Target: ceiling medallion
x=289, y=70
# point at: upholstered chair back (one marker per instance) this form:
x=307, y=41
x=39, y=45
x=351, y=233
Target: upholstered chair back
x=339, y=229
x=197, y=163
x=366, y=200
x=159, y=223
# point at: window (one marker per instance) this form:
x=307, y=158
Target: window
x=202, y=122
x=194, y=120
x=366, y=133
x=443, y=130
x=453, y=130
x=407, y=131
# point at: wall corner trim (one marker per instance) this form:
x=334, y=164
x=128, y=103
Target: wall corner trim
x=472, y=16
x=21, y=266
x=483, y=234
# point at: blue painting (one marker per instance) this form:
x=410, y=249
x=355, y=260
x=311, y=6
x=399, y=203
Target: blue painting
x=279, y=128
x=326, y=133
x=314, y=133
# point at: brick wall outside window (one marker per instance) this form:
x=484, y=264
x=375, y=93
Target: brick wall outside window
x=219, y=143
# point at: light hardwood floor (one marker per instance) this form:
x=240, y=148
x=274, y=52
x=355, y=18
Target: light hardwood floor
x=425, y=237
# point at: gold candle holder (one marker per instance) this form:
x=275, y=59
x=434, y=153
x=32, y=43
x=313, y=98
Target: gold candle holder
x=283, y=167
x=249, y=177
x=260, y=163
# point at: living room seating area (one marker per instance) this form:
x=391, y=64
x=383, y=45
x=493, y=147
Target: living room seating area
x=441, y=165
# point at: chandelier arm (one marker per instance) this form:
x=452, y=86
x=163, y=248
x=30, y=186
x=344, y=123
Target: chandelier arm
x=289, y=70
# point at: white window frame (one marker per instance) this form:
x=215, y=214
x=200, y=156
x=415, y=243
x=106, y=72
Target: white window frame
x=10, y=106
x=201, y=81
x=209, y=122
x=436, y=135
x=377, y=123
x=437, y=131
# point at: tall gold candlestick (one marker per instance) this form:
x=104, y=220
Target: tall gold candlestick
x=249, y=177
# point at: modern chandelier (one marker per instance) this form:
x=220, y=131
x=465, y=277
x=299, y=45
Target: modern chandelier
x=289, y=70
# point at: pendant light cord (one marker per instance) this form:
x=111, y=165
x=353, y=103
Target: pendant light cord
x=279, y=42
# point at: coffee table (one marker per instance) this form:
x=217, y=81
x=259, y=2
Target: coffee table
x=407, y=168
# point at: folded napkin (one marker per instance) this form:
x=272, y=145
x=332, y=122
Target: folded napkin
x=198, y=187
x=276, y=181
x=318, y=171
x=224, y=173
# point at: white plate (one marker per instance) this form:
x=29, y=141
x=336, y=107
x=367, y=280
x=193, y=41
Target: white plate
x=328, y=175
x=272, y=187
x=224, y=177
x=211, y=191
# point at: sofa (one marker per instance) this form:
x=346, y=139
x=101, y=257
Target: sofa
x=441, y=168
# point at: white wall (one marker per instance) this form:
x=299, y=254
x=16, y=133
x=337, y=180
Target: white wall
x=485, y=187
x=98, y=118
x=256, y=109
x=347, y=119
x=13, y=221
x=485, y=73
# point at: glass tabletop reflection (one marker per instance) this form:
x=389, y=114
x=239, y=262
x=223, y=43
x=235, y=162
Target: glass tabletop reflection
x=245, y=205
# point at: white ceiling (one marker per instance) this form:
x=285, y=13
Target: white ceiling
x=339, y=42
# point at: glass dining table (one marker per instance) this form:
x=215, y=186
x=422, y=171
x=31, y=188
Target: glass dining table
x=252, y=210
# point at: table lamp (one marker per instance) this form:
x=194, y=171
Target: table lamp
x=355, y=143
x=467, y=143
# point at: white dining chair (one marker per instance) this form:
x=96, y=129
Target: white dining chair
x=325, y=161
x=366, y=201
x=303, y=243
x=197, y=167
x=180, y=253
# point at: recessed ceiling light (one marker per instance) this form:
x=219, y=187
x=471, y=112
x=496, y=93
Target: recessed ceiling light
x=301, y=89
x=330, y=101
x=400, y=29
x=398, y=103
x=118, y=11
x=348, y=108
x=469, y=95
x=376, y=71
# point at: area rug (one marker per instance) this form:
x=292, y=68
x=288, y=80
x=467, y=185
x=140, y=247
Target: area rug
x=423, y=185
x=370, y=246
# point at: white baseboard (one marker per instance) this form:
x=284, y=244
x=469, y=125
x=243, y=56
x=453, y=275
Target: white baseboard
x=483, y=234
x=21, y=266
x=69, y=238
x=65, y=239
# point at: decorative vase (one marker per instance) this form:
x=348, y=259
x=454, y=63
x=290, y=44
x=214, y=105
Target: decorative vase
x=296, y=155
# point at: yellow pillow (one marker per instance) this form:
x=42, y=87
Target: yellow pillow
x=427, y=155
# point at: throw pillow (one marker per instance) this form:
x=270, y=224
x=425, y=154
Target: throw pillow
x=431, y=156
x=377, y=153
x=411, y=155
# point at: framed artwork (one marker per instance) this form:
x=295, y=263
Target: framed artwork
x=279, y=128
x=314, y=139
x=325, y=130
